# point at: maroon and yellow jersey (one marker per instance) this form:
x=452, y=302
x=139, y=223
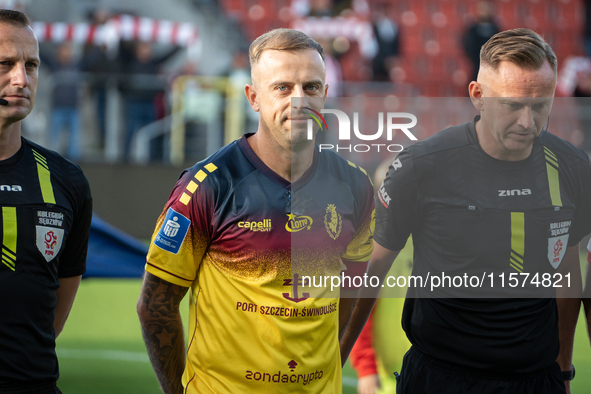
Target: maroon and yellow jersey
x=242, y=238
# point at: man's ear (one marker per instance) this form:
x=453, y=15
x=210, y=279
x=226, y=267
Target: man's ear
x=475, y=91
x=251, y=96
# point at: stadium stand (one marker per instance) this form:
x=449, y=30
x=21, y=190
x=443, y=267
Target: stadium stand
x=431, y=31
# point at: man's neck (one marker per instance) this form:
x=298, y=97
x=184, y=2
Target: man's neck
x=10, y=140
x=489, y=146
x=287, y=163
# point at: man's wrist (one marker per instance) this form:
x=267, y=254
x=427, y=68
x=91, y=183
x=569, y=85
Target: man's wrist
x=569, y=375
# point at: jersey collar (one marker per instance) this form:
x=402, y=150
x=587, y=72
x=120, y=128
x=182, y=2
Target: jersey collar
x=269, y=173
x=8, y=164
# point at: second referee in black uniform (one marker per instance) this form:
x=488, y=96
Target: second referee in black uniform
x=46, y=209
x=497, y=192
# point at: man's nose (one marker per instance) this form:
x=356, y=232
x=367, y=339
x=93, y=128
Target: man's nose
x=298, y=100
x=19, y=76
x=526, y=118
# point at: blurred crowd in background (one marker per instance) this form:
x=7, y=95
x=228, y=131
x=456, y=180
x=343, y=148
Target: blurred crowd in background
x=128, y=83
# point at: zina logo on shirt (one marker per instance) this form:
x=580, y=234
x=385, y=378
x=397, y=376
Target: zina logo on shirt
x=173, y=232
x=9, y=188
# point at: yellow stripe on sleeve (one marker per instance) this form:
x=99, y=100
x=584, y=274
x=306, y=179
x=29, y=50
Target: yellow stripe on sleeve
x=9, y=232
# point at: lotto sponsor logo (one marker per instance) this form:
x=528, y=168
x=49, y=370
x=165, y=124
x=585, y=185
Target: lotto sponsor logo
x=173, y=232
x=264, y=225
x=297, y=223
x=285, y=378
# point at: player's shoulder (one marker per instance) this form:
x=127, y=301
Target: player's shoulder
x=344, y=170
x=68, y=172
x=447, y=139
x=563, y=148
x=44, y=155
x=222, y=169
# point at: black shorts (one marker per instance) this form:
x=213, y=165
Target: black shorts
x=421, y=374
x=30, y=388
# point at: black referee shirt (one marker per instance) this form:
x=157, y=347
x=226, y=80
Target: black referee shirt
x=46, y=210
x=468, y=213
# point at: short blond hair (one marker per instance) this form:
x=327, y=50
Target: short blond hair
x=15, y=18
x=282, y=40
x=522, y=47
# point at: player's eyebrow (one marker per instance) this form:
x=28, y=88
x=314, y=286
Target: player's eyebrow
x=14, y=57
x=525, y=100
x=35, y=60
x=278, y=83
x=509, y=100
x=8, y=56
x=312, y=82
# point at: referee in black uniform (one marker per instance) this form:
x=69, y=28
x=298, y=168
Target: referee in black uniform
x=499, y=195
x=46, y=209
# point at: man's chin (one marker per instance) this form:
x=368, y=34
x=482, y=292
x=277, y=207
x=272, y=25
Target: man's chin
x=521, y=142
x=300, y=133
x=518, y=147
x=300, y=141
x=16, y=114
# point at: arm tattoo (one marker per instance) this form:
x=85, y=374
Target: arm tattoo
x=162, y=329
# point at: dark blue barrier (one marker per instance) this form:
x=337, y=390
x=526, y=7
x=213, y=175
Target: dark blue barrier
x=113, y=253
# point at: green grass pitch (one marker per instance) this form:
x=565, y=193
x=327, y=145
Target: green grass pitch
x=101, y=350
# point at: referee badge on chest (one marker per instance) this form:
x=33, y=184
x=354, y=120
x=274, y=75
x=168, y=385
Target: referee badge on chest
x=49, y=228
x=558, y=241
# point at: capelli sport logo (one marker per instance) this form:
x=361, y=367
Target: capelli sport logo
x=391, y=121
x=262, y=225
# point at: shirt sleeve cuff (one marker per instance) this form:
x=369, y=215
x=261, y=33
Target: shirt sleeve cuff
x=168, y=276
